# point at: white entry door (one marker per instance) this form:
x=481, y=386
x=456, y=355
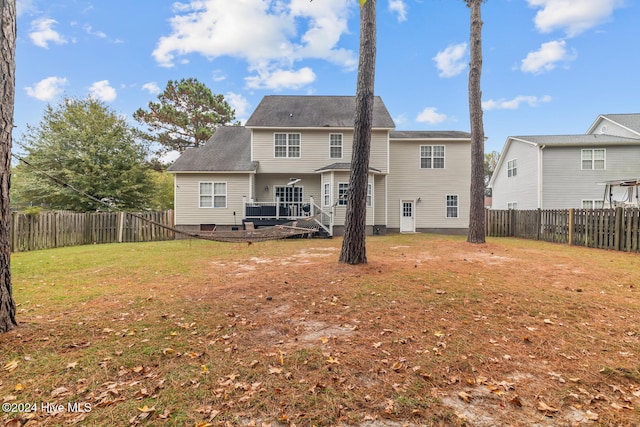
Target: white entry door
x=407, y=216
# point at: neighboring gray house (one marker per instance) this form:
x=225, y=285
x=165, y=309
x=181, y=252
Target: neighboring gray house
x=292, y=160
x=569, y=171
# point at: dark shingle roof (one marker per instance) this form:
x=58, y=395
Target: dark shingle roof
x=576, y=140
x=314, y=111
x=428, y=134
x=228, y=150
x=342, y=166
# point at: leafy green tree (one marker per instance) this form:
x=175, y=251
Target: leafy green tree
x=187, y=115
x=476, y=211
x=354, y=250
x=490, y=162
x=82, y=144
x=162, y=199
x=7, y=93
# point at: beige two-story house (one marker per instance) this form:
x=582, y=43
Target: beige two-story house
x=291, y=160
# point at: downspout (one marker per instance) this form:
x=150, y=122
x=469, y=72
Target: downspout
x=540, y=175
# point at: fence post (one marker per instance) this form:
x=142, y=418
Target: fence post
x=572, y=219
x=120, y=226
x=619, y=229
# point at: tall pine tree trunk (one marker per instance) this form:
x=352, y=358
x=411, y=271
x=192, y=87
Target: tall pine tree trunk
x=7, y=90
x=353, y=246
x=476, y=210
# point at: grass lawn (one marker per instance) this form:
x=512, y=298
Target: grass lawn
x=432, y=331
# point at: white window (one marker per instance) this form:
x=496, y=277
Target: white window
x=287, y=145
x=512, y=205
x=342, y=193
x=335, y=146
x=326, y=194
x=512, y=168
x=432, y=156
x=213, y=194
x=289, y=194
x=452, y=206
x=369, y=195
x=592, y=204
x=593, y=159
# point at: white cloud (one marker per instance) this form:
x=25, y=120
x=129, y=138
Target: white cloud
x=89, y=30
x=239, y=103
x=547, y=57
x=451, y=61
x=281, y=79
x=573, y=16
x=102, y=91
x=270, y=35
x=152, y=88
x=41, y=33
x=24, y=6
x=399, y=7
x=47, y=89
x=514, y=104
x=431, y=116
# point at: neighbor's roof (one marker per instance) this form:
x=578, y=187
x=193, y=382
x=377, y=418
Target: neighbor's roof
x=429, y=134
x=576, y=140
x=228, y=150
x=342, y=166
x=314, y=112
x=630, y=121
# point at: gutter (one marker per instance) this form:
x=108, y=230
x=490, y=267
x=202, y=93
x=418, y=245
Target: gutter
x=540, y=174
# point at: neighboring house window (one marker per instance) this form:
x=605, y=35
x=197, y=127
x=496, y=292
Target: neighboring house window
x=287, y=145
x=592, y=204
x=327, y=194
x=335, y=145
x=432, y=156
x=512, y=168
x=452, y=206
x=342, y=193
x=593, y=159
x=213, y=194
x=512, y=205
x=369, y=195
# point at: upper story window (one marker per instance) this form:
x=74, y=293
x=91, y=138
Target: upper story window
x=335, y=146
x=432, y=156
x=287, y=145
x=213, y=194
x=512, y=168
x=593, y=159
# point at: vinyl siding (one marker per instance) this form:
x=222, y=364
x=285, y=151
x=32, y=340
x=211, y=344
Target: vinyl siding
x=187, y=199
x=408, y=181
x=522, y=188
x=566, y=184
x=314, y=150
x=340, y=210
x=612, y=129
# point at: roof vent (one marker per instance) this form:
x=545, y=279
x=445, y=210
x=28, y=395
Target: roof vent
x=603, y=129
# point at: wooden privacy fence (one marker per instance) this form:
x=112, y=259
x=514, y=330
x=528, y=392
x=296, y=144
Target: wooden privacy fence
x=55, y=229
x=616, y=228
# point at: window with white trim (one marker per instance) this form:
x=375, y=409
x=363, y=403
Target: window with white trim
x=326, y=194
x=343, y=187
x=288, y=194
x=213, y=195
x=512, y=168
x=452, y=206
x=593, y=159
x=593, y=204
x=335, y=145
x=286, y=145
x=432, y=156
x=512, y=205
x=369, y=195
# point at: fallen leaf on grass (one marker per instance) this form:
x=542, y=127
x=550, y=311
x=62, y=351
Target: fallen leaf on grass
x=465, y=396
x=332, y=361
x=515, y=401
x=145, y=408
x=59, y=392
x=13, y=423
x=11, y=366
x=18, y=387
x=548, y=321
x=72, y=365
x=543, y=407
x=273, y=370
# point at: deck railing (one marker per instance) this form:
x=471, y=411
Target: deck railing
x=277, y=209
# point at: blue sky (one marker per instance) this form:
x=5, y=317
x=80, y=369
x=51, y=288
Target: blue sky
x=550, y=66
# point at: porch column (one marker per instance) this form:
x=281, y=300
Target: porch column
x=311, y=206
